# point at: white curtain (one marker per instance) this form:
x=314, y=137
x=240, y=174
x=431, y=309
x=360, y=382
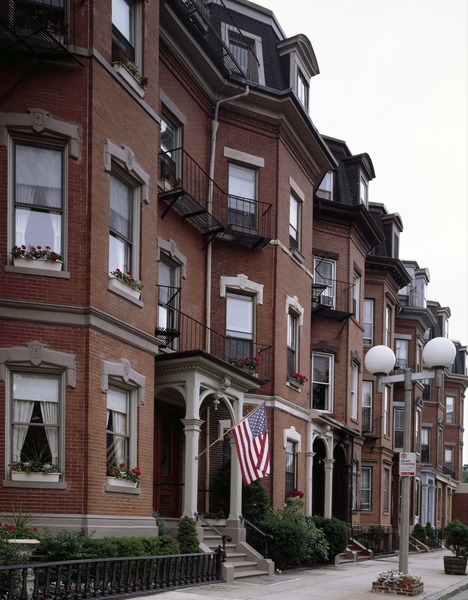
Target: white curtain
x=120, y=442
x=22, y=414
x=49, y=416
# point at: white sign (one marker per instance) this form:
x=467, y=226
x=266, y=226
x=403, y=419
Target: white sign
x=407, y=464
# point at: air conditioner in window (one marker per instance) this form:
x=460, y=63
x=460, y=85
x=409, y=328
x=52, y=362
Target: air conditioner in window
x=326, y=300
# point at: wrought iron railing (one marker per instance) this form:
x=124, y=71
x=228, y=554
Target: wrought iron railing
x=332, y=294
x=381, y=540
x=189, y=334
x=111, y=577
x=434, y=537
x=224, y=537
x=188, y=189
x=254, y=532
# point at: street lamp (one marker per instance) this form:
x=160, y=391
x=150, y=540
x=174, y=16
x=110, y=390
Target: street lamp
x=438, y=354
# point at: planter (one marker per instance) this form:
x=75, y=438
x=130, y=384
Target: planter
x=399, y=590
x=125, y=483
x=33, y=263
x=116, y=284
x=454, y=565
x=35, y=477
x=129, y=78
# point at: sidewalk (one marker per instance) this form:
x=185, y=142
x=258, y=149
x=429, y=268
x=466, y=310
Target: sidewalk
x=348, y=581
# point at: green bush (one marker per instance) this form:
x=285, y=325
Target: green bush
x=336, y=533
x=63, y=545
x=420, y=533
x=455, y=536
x=187, y=536
x=296, y=540
x=255, y=501
x=10, y=554
x=161, y=524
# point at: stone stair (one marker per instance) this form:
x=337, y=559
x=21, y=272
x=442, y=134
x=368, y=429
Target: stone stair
x=356, y=552
x=242, y=560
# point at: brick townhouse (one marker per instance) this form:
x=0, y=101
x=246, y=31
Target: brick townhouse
x=173, y=141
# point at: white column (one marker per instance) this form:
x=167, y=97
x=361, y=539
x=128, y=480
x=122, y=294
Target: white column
x=192, y=434
x=328, y=466
x=309, y=469
x=236, y=477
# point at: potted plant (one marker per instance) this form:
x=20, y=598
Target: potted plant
x=297, y=378
x=36, y=257
x=122, y=476
x=455, y=536
x=130, y=72
x=125, y=282
x=394, y=582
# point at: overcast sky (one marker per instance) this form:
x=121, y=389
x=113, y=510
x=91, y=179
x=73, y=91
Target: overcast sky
x=393, y=83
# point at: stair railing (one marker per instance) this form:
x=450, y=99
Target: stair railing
x=265, y=536
x=224, y=537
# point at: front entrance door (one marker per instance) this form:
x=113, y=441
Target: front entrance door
x=168, y=452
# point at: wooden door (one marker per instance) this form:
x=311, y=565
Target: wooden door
x=168, y=452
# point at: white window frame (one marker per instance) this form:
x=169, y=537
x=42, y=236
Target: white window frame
x=386, y=411
x=450, y=409
x=242, y=207
x=354, y=392
x=133, y=35
x=366, y=488
x=386, y=490
x=357, y=296
x=329, y=384
x=295, y=205
x=402, y=352
x=398, y=426
x=367, y=405
x=302, y=89
x=255, y=43
x=388, y=326
x=363, y=191
x=291, y=464
x=368, y=321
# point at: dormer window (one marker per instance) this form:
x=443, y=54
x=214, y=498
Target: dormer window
x=364, y=191
x=325, y=189
x=246, y=49
x=302, y=90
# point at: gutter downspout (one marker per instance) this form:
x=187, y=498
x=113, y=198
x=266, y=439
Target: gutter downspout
x=214, y=132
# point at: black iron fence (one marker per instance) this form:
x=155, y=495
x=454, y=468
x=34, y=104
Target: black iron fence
x=112, y=577
x=434, y=538
x=381, y=540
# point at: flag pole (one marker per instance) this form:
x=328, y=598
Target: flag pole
x=230, y=429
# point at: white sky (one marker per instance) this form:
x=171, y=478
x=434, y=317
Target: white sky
x=393, y=83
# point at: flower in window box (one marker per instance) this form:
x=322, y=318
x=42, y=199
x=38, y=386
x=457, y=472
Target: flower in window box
x=36, y=253
x=244, y=363
x=34, y=466
x=297, y=377
x=175, y=182
x=123, y=60
x=122, y=472
x=128, y=279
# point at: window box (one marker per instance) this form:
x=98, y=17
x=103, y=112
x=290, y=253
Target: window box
x=116, y=284
x=33, y=263
x=129, y=78
x=35, y=476
x=125, y=483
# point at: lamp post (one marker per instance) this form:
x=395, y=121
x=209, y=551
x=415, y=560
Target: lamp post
x=438, y=354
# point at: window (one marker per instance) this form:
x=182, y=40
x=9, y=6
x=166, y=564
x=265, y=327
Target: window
x=168, y=295
x=448, y=458
x=366, y=488
x=398, y=427
x=118, y=428
x=121, y=225
x=239, y=325
x=325, y=189
x=449, y=409
x=368, y=318
x=246, y=49
x=171, y=140
x=367, y=406
x=38, y=210
x=125, y=32
x=357, y=296
x=354, y=392
x=388, y=326
x=425, y=445
x=322, y=378
x=242, y=204
x=417, y=433
x=325, y=275
x=364, y=191
x=354, y=486
x=302, y=90
x=386, y=489
x=386, y=415
x=36, y=418
x=291, y=466
x=402, y=353
x=294, y=221
x=292, y=336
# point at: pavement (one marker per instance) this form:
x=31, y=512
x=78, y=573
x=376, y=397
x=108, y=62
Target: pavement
x=347, y=581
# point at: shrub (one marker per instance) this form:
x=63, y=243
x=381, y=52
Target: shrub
x=420, y=533
x=455, y=536
x=336, y=533
x=187, y=536
x=161, y=524
x=63, y=545
x=255, y=501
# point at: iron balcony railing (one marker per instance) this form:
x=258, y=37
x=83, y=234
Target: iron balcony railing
x=189, y=190
x=110, y=578
x=207, y=19
x=332, y=296
x=43, y=29
x=185, y=334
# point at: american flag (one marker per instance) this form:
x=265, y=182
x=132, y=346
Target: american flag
x=251, y=437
